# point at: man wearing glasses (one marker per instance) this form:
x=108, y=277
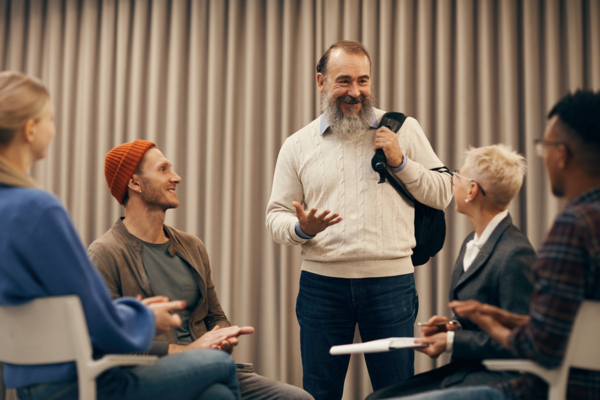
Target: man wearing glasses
x=567, y=270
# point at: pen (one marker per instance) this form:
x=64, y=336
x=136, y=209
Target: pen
x=437, y=323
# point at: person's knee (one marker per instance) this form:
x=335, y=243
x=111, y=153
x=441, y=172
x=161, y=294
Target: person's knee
x=291, y=392
x=222, y=359
x=299, y=394
x=218, y=391
x=218, y=360
x=219, y=356
x=257, y=386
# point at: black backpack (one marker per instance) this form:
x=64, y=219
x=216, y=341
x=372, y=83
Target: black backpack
x=430, y=223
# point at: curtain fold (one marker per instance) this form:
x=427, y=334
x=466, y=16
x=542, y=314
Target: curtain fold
x=220, y=84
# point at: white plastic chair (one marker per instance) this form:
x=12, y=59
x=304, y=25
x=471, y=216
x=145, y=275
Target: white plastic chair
x=583, y=351
x=53, y=330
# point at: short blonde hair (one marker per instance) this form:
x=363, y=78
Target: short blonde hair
x=22, y=98
x=497, y=168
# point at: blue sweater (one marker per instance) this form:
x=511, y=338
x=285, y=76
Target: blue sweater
x=41, y=255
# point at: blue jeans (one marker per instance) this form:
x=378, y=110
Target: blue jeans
x=191, y=375
x=328, y=310
x=464, y=393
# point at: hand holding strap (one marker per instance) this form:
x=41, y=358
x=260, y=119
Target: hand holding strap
x=393, y=121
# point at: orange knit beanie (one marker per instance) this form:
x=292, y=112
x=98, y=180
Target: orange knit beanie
x=120, y=165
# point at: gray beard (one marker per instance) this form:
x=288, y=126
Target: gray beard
x=350, y=127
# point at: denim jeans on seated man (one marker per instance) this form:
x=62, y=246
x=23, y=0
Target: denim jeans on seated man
x=328, y=310
x=211, y=372
x=463, y=393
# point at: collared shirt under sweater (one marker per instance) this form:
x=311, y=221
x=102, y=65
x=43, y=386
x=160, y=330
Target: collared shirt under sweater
x=376, y=235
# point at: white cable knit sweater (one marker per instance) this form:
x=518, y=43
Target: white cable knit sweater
x=376, y=234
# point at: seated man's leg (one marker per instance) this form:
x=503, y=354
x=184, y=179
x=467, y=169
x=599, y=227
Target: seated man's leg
x=466, y=393
x=257, y=387
x=326, y=317
x=427, y=381
x=388, y=307
x=217, y=391
x=183, y=376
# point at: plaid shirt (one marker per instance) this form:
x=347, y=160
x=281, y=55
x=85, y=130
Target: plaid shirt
x=567, y=271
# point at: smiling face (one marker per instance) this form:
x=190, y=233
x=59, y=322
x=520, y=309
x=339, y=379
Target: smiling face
x=346, y=95
x=158, y=181
x=347, y=80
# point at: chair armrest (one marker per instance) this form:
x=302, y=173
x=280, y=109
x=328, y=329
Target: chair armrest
x=126, y=359
x=549, y=375
x=115, y=360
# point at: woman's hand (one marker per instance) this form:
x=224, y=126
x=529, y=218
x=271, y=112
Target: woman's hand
x=437, y=344
x=496, y=322
x=437, y=324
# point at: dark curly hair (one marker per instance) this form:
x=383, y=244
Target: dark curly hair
x=580, y=111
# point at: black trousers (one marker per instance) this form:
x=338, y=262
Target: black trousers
x=430, y=380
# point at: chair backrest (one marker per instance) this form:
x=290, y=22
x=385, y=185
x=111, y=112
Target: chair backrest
x=46, y=330
x=583, y=351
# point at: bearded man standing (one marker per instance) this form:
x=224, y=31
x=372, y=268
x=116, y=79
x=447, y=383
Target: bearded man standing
x=359, y=270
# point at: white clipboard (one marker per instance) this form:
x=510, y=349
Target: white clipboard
x=377, y=346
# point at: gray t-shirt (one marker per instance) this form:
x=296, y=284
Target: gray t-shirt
x=172, y=277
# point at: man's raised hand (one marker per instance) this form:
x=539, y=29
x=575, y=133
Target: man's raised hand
x=311, y=223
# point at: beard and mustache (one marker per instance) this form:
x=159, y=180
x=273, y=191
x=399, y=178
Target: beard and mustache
x=348, y=126
x=154, y=197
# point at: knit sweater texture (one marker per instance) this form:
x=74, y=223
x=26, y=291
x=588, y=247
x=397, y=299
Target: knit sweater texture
x=376, y=235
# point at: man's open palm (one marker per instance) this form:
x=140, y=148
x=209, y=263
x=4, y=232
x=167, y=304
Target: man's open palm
x=311, y=223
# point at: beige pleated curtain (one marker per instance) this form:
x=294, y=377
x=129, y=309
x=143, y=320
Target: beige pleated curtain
x=219, y=85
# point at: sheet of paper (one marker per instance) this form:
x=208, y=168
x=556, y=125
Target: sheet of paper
x=376, y=346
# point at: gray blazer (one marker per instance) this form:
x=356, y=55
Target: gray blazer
x=500, y=275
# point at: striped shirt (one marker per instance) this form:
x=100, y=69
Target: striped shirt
x=566, y=272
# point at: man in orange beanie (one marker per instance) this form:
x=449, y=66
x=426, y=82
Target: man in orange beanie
x=141, y=256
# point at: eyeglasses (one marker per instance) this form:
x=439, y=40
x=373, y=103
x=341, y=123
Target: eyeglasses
x=541, y=146
x=456, y=174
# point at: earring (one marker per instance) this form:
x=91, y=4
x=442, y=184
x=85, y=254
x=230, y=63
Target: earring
x=140, y=192
x=466, y=200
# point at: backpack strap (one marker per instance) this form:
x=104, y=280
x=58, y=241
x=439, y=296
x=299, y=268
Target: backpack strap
x=394, y=121
x=399, y=185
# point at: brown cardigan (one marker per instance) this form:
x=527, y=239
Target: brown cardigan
x=118, y=256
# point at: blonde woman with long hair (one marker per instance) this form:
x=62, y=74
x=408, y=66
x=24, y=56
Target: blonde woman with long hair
x=43, y=256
